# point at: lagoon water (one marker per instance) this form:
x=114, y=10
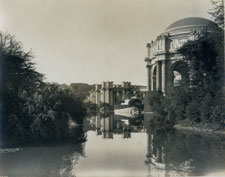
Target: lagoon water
x=119, y=146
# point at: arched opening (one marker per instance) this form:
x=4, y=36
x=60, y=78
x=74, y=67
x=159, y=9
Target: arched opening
x=177, y=78
x=179, y=73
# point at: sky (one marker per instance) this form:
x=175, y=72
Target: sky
x=91, y=41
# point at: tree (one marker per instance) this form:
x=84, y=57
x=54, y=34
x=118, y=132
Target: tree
x=217, y=12
x=205, y=58
x=32, y=110
x=18, y=77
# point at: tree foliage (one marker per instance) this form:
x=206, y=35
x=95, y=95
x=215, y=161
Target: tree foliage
x=32, y=110
x=217, y=12
x=196, y=101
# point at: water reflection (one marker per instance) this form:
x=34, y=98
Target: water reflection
x=167, y=152
x=173, y=153
x=116, y=124
x=55, y=161
x=49, y=160
x=120, y=146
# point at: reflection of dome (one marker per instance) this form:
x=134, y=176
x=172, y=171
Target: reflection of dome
x=191, y=24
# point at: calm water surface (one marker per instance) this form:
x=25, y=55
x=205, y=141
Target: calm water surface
x=119, y=146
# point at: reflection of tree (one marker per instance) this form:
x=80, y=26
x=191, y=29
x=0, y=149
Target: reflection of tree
x=52, y=160
x=177, y=153
x=195, y=150
x=71, y=161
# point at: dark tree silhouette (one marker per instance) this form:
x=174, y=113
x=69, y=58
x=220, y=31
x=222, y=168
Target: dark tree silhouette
x=30, y=109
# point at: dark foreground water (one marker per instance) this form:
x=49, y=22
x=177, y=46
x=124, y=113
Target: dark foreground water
x=119, y=146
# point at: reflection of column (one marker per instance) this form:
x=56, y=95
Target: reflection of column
x=123, y=95
x=158, y=76
x=98, y=125
x=119, y=97
x=107, y=126
x=148, y=78
x=149, y=145
x=111, y=122
x=163, y=155
x=164, y=79
x=149, y=153
x=159, y=154
x=126, y=134
x=103, y=124
x=98, y=122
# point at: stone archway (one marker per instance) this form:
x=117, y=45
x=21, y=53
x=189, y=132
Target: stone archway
x=178, y=73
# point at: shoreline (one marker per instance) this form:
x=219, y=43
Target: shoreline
x=196, y=129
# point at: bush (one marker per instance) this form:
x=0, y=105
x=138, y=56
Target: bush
x=32, y=110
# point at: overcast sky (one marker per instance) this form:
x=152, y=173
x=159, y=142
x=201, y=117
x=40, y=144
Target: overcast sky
x=91, y=41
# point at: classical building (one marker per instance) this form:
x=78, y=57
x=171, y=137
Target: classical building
x=165, y=67
x=113, y=94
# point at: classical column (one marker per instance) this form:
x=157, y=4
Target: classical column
x=152, y=80
x=107, y=96
x=148, y=49
x=97, y=97
x=158, y=76
x=148, y=77
x=111, y=97
x=164, y=77
x=103, y=95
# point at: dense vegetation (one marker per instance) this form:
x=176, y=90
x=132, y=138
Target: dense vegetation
x=198, y=101
x=32, y=110
x=201, y=99
x=81, y=89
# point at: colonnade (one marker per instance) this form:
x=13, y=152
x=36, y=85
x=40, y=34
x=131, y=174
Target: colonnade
x=112, y=96
x=157, y=76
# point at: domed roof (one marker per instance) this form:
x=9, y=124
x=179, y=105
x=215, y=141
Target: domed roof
x=190, y=24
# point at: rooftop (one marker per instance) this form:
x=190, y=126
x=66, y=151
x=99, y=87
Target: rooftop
x=191, y=23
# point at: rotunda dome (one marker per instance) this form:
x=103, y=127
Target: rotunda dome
x=191, y=24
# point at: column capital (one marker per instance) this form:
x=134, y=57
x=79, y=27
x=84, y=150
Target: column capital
x=164, y=61
x=147, y=59
x=159, y=61
x=148, y=66
x=148, y=45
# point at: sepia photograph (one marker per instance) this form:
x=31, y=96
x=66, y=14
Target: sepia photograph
x=112, y=88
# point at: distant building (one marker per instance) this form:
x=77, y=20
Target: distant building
x=113, y=94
